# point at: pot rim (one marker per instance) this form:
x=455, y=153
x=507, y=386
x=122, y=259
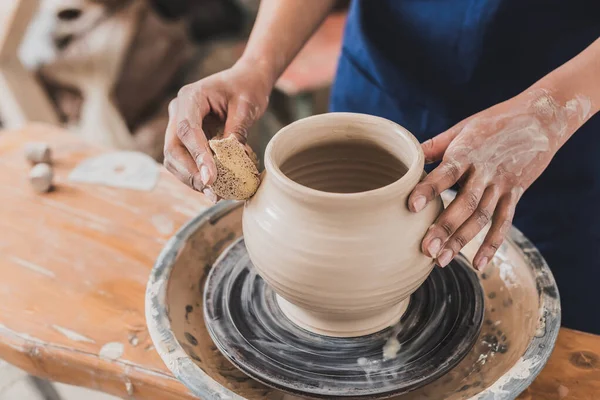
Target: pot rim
x=406, y=181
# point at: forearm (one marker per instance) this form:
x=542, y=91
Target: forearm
x=281, y=29
x=576, y=84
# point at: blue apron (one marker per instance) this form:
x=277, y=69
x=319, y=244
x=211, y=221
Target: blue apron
x=428, y=64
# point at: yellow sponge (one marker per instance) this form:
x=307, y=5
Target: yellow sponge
x=237, y=175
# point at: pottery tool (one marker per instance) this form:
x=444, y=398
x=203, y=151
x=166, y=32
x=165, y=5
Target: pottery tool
x=237, y=175
x=439, y=327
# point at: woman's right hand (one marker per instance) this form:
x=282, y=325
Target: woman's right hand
x=238, y=96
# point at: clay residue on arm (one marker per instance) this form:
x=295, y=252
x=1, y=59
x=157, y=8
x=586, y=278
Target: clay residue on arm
x=519, y=138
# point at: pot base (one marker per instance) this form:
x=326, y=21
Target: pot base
x=438, y=329
x=324, y=324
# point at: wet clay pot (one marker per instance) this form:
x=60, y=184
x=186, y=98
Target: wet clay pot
x=329, y=228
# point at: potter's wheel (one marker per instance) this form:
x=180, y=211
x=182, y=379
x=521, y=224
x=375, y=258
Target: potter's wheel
x=521, y=318
x=438, y=329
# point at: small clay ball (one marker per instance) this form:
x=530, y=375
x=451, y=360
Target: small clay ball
x=40, y=178
x=37, y=153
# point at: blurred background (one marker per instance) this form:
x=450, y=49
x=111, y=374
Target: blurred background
x=107, y=69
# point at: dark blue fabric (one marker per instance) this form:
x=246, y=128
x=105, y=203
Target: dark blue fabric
x=427, y=64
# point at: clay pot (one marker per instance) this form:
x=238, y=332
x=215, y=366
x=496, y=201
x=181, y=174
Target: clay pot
x=329, y=228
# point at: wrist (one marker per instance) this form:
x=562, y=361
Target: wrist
x=577, y=81
x=261, y=69
x=570, y=107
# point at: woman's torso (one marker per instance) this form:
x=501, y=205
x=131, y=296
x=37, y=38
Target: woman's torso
x=452, y=58
x=427, y=64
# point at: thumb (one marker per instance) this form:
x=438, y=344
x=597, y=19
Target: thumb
x=240, y=117
x=435, y=147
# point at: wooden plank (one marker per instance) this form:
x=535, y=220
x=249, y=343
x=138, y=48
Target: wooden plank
x=22, y=98
x=14, y=20
x=573, y=371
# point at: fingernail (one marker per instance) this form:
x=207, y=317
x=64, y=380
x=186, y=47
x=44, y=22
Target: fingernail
x=445, y=258
x=204, y=174
x=197, y=183
x=434, y=247
x=419, y=203
x=482, y=264
x=210, y=195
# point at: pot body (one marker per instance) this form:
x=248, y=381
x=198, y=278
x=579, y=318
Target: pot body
x=342, y=264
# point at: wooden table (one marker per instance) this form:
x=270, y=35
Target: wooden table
x=74, y=265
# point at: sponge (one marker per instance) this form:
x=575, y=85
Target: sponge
x=237, y=175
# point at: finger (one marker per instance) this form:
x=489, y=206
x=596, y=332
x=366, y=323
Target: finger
x=179, y=163
x=463, y=206
x=501, y=223
x=177, y=159
x=435, y=147
x=440, y=179
x=191, y=110
x=240, y=117
x=474, y=224
x=210, y=195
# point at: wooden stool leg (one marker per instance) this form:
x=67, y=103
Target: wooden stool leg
x=46, y=388
x=9, y=375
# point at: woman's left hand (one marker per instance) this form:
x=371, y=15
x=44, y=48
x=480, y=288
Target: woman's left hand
x=495, y=156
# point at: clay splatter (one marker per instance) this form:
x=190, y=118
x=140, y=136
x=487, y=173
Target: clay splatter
x=72, y=334
x=112, y=351
x=391, y=349
x=369, y=366
x=129, y=387
x=33, y=267
x=133, y=339
x=163, y=224
x=520, y=371
x=563, y=391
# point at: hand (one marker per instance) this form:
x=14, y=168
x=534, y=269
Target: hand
x=495, y=155
x=238, y=96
